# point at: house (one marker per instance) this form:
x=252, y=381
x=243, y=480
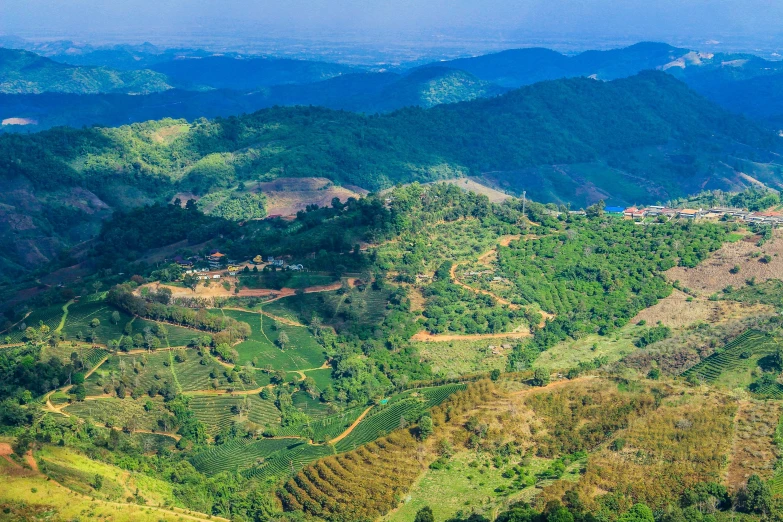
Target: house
x=614, y=210
x=689, y=213
x=655, y=210
x=297, y=268
x=215, y=260
x=233, y=269
x=182, y=262
x=258, y=260
x=631, y=212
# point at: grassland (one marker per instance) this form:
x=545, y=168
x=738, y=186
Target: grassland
x=474, y=484
x=454, y=358
x=569, y=354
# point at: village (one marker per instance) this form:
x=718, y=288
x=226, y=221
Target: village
x=773, y=218
x=216, y=265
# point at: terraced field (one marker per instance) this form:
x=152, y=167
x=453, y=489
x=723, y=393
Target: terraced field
x=326, y=428
x=215, y=411
x=734, y=356
x=119, y=412
x=175, y=335
x=369, y=307
x=91, y=355
x=288, y=461
x=81, y=314
x=385, y=419
x=770, y=391
x=50, y=316
x=238, y=454
x=154, y=370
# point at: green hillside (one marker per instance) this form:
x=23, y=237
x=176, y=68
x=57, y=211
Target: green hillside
x=22, y=72
x=649, y=132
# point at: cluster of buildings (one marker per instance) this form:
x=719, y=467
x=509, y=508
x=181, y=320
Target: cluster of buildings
x=218, y=265
x=768, y=217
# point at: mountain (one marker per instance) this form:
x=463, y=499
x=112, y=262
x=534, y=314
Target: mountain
x=22, y=72
x=517, y=67
x=643, y=139
x=223, y=72
x=360, y=92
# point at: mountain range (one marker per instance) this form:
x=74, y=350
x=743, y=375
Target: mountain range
x=645, y=138
x=191, y=83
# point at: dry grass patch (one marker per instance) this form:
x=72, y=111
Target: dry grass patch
x=287, y=196
x=754, y=450
x=676, y=311
x=714, y=274
x=683, y=442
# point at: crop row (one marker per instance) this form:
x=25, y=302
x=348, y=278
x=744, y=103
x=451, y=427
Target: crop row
x=237, y=454
x=288, y=461
x=731, y=357
x=218, y=412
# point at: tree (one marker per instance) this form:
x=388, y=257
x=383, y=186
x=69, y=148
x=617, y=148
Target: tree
x=424, y=515
x=23, y=442
x=755, y=497
x=97, y=286
x=638, y=513
x=95, y=323
x=282, y=340
x=97, y=482
x=115, y=317
x=540, y=377
x=190, y=281
x=494, y=374
x=425, y=427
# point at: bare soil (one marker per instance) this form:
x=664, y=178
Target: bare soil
x=676, y=311
x=287, y=196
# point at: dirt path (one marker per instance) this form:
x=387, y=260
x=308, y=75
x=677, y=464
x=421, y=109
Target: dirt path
x=425, y=336
x=28, y=457
x=453, y=274
x=6, y=451
x=351, y=427
x=283, y=320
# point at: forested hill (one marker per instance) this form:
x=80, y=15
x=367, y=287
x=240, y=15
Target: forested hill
x=23, y=72
x=645, y=138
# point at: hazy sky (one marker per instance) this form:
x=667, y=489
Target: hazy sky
x=297, y=18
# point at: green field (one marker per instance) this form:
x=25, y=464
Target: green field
x=91, y=355
x=80, y=314
x=302, y=351
x=327, y=427
x=280, y=280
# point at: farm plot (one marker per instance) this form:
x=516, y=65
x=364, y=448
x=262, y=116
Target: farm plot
x=385, y=419
x=50, y=316
x=238, y=454
x=288, y=461
x=90, y=355
x=144, y=370
x=80, y=316
x=121, y=413
x=175, y=335
x=352, y=310
x=735, y=356
x=217, y=411
x=326, y=428
x=323, y=378
x=314, y=408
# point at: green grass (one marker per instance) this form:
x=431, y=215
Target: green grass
x=176, y=335
x=279, y=280
x=470, y=488
x=352, y=310
x=569, y=354
x=323, y=378
x=729, y=359
x=79, y=317
x=454, y=358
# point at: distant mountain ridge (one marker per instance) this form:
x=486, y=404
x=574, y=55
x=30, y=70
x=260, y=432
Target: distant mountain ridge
x=22, y=72
x=642, y=139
